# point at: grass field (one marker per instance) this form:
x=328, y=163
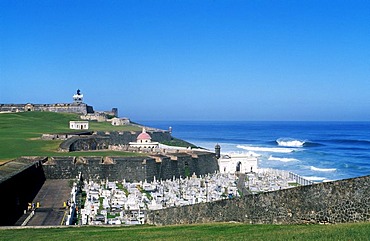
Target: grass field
x=20, y=133
x=215, y=231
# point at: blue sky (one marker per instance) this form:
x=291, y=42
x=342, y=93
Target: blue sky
x=191, y=60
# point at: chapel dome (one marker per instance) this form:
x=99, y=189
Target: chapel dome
x=143, y=136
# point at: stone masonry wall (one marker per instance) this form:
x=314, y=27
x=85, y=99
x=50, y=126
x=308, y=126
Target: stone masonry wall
x=18, y=189
x=128, y=168
x=60, y=107
x=333, y=202
x=96, y=168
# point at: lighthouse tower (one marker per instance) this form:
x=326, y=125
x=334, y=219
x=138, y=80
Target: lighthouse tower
x=78, y=97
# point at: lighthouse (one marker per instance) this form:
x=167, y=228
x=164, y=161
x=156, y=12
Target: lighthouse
x=78, y=97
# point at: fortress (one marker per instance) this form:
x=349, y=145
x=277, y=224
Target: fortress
x=77, y=106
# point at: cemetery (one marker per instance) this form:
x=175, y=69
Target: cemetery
x=122, y=202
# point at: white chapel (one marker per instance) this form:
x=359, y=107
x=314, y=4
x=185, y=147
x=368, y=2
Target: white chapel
x=144, y=141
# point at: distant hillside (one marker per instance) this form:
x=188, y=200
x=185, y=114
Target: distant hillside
x=20, y=133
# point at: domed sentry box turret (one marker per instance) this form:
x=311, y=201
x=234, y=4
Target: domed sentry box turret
x=218, y=151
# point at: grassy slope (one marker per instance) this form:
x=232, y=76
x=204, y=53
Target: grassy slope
x=20, y=133
x=179, y=142
x=215, y=231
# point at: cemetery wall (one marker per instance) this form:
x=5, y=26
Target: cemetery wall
x=332, y=202
x=18, y=187
x=130, y=168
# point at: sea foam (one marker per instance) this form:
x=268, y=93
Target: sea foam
x=265, y=149
x=314, y=178
x=289, y=142
x=323, y=169
x=282, y=159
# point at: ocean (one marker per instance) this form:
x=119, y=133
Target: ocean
x=317, y=151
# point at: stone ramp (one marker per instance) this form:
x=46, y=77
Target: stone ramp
x=47, y=217
x=51, y=197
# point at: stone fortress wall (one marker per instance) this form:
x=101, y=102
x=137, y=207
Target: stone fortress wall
x=332, y=202
x=79, y=108
x=20, y=181
x=133, y=169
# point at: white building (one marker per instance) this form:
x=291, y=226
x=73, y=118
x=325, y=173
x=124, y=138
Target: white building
x=79, y=125
x=144, y=141
x=120, y=121
x=238, y=162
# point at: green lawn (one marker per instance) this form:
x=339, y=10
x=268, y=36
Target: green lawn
x=20, y=133
x=215, y=231
x=107, y=126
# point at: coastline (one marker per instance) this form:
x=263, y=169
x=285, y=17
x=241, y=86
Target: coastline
x=323, y=150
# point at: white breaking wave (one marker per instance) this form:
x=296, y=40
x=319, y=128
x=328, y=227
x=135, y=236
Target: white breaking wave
x=314, y=178
x=282, y=159
x=288, y=142
x=323, y=169
x=265, y=149
x=249, y=153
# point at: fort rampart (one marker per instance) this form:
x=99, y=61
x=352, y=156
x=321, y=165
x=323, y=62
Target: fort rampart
x=332, y=202
x=79, y=108
x=20, y=181
x=130, y=168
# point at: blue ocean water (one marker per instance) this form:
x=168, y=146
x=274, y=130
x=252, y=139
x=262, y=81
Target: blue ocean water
x=319, y=151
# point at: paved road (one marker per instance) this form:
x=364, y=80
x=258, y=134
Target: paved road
x=51, y=197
